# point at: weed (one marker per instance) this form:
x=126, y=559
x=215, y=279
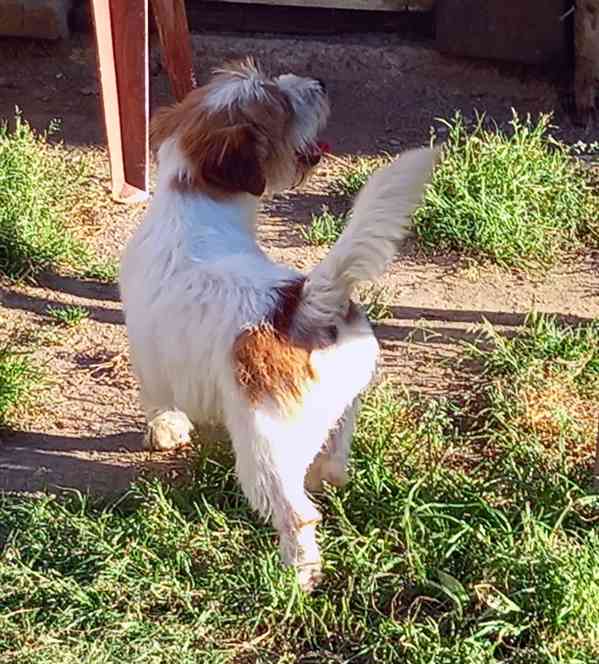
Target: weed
x=106, y=271
x=43, y=187
x=518, y=199
x=356, y=171
x=325, y=228
x=36, y=182
x=17, y=380
x=376, y=303
x=68, y=316
x=543, y=383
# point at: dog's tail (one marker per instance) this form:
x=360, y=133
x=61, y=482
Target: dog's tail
x=380, y=220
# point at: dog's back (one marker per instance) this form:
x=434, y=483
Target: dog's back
x=183, y=312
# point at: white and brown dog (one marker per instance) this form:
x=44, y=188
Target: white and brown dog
x=221, y=336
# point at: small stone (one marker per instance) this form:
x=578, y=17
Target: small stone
x=79, y=56
x=89, y=90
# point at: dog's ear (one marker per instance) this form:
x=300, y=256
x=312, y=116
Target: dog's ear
x=164, y=124
x=169, y=120
x=228, y=159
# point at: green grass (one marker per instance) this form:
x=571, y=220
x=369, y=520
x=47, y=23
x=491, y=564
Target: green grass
x=102, y=270
x=68, y=316
x=18, y=378
x=353, y=175
x=44, y=190
x=517, y=198
x=467, y=535
x=546, y=384
x=324, y=229
x=376, y=303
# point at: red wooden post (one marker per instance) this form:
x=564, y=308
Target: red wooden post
x=121, y=28
x=173, y=30
x=122, y=44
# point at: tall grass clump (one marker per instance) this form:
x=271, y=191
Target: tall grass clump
x=39, y=185
x=325, y=228
x=542, y=386
x=517, y=198
x=354, y=173
x=18, y=377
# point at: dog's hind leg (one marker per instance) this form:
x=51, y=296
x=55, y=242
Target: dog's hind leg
x=272, y=456
x=331, y=463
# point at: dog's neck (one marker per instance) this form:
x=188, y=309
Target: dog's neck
x=215, y=226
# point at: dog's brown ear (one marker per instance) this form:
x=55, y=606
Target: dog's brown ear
x=163, y=125
x=228, y=159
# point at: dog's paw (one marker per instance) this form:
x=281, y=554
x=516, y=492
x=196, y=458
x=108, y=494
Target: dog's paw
x=309, y=575
x=334, y=472
x=168, y=430
x=313, y=479
x=326, y=469
x=300, y=550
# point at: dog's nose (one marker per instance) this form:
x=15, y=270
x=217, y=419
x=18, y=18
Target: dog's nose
x=320, y=82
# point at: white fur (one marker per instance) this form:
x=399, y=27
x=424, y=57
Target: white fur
x=237, y=89
x=193, y=277
x=380, y=220
x=300, y=92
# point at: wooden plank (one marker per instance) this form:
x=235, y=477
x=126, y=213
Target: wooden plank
x=129, y=158
x=586, y=39
x=130, y=42
x=175, y=42
x=205, y=15
x=109, y=91
x=367, y=5
x=487, y=30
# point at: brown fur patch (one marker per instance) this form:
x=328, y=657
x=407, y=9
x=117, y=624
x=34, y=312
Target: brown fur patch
x=267, y=365
x=273, y=359
x=268, y=362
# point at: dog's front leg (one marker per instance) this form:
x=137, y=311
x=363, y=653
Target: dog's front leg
x=168, y=430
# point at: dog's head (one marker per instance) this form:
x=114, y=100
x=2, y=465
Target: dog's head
x=246, y=132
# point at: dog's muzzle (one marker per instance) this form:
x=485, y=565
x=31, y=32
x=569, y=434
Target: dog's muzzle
x=313, y=153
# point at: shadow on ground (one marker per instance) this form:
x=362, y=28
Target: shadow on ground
x=32, y=462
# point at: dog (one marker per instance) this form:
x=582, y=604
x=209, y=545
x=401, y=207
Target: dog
x=220, y=336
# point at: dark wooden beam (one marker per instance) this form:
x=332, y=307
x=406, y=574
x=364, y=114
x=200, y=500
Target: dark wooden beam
x=171, y=21
x=586, y=38
x=243, y=18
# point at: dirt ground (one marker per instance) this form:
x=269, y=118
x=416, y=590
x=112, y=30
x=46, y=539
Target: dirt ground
x=86, y=430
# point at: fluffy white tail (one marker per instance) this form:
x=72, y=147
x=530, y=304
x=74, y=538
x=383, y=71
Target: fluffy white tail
x=380, y=220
